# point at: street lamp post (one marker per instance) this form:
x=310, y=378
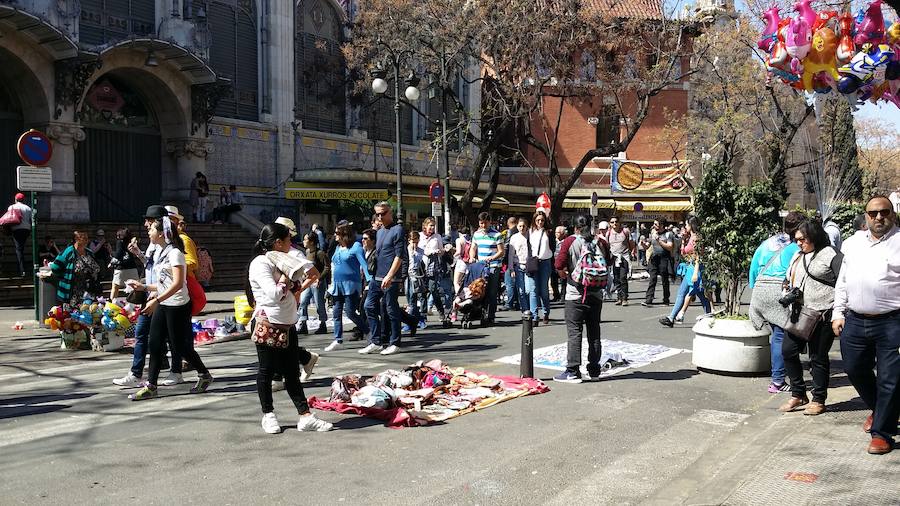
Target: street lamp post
x=380, y=86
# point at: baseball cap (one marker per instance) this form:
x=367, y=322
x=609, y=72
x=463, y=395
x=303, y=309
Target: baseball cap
x=20, y=196
x=173, y=213
x=100, y=232
x=289, y=223
x=155, y=212
x=604, y=225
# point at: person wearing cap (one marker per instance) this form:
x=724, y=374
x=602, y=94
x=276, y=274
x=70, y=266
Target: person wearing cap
x=21, y=230
x=289, y=223
x=190, y=248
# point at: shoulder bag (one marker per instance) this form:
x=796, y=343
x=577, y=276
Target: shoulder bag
x=531, y=263
x=273, y=335
x=12, y=216
x=803, y=321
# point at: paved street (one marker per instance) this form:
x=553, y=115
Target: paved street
x=659, y=434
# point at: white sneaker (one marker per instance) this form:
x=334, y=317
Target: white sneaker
x=129, y=380
x=309, y=423
x=390, y=350
x=171, y=380
x=308, y=368
x=333, y=346
x=372, y=348
x=277, y=386
x=270, y=424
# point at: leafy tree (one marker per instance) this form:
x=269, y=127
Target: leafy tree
x=735, y=220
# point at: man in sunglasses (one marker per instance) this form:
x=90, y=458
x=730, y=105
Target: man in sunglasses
x=867, y=318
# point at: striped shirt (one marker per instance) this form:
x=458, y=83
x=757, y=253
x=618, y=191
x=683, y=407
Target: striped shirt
x=486, y=242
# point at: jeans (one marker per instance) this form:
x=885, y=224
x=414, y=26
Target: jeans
x=373, y=311
x=493, y=286
x=868, y=342
x=346, y=305
x=286, y=363
x=620, y=279
x=687, y=287
x=777, y=356
x=819, y=364
x=413, y=296
x=512, y=297
x=537, y=286
x=141, y=332
x=172, y=323
x=518, y=287
x=432, y=287
x=316, y=293
x=200, y=210
x=578, y=315
x=554, y=284
x=447, y=288
x=20, y=237
x=658, y=266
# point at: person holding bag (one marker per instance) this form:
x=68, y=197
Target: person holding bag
x=809, y=291
x=270, y=291
x=537, y=268
x=518, y=256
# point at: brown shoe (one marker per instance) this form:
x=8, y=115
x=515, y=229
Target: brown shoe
x=867, y=425
x=814, y=408
x=879, y=446
x=546, y=320
x=618, y=302
x=793, y=404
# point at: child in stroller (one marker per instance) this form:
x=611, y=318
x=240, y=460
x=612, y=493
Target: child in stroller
x=469, y=302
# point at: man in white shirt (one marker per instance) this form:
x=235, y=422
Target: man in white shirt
x=867, y=318
x=20, y=231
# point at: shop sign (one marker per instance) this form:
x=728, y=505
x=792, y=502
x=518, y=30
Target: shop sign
x=632, y=177
x=304, y=193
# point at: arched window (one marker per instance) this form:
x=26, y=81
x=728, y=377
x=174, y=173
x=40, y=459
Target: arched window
x=105, y=21
x=233, y=54
x=321, y=95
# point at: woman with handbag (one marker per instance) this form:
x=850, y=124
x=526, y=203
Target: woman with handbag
x=269, y=292
x=432, y=246
x=518, y=246
x=170, y=310
x=76, y=271
x=346, y=264
x=537, y=268
x=809, y=291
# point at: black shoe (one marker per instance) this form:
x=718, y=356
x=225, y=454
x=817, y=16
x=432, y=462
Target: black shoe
x=666, y=303
x=303, y=329
x=357, y=335
x=666, y=321
x=323, y=329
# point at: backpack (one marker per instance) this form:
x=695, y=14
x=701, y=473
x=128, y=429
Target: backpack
x=466, y=252
x=590, y=270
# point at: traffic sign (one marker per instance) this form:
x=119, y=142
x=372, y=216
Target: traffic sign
x=35, y=179
x=436, y=209
x=594, y=199
x=436, y=192
x=638, y=207
x=34, y=148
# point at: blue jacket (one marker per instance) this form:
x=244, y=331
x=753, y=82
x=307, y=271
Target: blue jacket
x=779, y=244
x=346, y=264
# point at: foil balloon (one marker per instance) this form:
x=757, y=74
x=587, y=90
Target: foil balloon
x=821, y=57
x=797, y=41
x=770, y=34
x=846, y=48
x=871, y=29
x=868, y=67
x=805, y=11
x=825, y=18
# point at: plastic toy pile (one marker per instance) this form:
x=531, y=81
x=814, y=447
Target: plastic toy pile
x=212, y=330
x=89, y=325
x=857, y=56
x=423, y=393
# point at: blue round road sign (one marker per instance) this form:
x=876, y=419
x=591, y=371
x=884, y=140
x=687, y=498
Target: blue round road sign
x=638, y=207
x=436, y=191
x=34, y=148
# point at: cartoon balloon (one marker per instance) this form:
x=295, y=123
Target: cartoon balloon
x=868, y=67
x=871, y=29
x=821, y=57
x=797, y=41
x=770, y=34
x=846, y=48
x=806, y=12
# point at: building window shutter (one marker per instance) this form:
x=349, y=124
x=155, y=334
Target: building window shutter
x=233, y=54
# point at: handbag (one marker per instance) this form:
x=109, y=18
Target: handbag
x=197, y=294
x=12, y=216
x=531, y=263
x=803, y=320
x=269, y=334
x=137, y=297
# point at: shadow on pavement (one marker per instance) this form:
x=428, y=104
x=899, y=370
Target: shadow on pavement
x=37, y=404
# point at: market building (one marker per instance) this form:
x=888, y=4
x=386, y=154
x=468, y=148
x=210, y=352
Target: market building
x=143, y=94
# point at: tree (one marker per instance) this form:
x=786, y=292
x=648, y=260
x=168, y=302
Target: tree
x=878, y=143
x=735, y=220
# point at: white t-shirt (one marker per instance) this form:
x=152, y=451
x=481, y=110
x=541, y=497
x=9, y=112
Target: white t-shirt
x=540, y=244
x=519, y=248
x=163, y=262
x=894, y=197
x=275, y=299
x=25, y=224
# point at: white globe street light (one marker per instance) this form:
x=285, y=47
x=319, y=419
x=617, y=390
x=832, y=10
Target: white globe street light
x=412, y=93
x=379, y=86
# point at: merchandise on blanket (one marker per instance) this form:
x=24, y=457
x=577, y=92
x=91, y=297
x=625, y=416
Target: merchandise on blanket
x=242, y=310
x=343, y=387
x=211, y=324
x=196, y=326
x=202, y=337
x=371, y=396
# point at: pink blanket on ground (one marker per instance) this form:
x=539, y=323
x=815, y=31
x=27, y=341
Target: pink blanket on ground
x=398, y=417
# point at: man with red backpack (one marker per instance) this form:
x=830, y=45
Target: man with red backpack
x=582, y=262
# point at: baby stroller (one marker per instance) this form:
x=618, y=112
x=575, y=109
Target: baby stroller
x=469, y=301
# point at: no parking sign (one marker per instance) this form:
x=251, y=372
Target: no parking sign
x=35, y=148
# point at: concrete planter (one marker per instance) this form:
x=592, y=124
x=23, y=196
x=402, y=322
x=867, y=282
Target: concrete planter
x=731, y=346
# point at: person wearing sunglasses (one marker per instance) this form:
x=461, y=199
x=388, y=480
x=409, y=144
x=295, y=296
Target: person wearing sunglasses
x=867, y=319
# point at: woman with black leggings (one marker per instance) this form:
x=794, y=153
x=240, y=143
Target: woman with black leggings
x=269, y=291
x=170, y=311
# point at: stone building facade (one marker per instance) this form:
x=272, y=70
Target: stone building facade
x=140, y=95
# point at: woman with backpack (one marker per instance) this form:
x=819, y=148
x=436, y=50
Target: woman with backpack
x=582, y=263
x=538, y=263
x=346, y=264
x=269, y=292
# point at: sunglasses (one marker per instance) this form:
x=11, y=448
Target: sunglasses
x=381, y=214
x=799, y=239
x=882, y=212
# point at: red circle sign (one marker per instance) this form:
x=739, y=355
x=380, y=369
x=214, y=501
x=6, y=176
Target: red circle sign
x=436, y=192
x=35, y=148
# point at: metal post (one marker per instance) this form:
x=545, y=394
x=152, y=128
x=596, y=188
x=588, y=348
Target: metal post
x=446, y=153
x=526, y=365
x=34, y=258
x=397, y=138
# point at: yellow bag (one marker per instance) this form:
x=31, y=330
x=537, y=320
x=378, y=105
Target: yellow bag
x=242, y=310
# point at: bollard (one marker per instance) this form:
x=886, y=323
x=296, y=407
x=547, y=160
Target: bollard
x=526, y=364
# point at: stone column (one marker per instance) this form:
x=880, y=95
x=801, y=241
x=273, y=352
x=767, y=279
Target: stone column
x=66, y=204
x=281, y=59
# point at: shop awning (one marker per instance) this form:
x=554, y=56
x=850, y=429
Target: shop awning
x=498, y=203
x=656, y=205
x=188, y=63
x=576, y=203
x=51, y=38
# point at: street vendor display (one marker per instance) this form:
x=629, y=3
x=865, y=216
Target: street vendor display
x=423, y=393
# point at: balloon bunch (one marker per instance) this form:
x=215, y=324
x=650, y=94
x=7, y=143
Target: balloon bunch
x=119, y=318
x=826, y=51
x=60, y=318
